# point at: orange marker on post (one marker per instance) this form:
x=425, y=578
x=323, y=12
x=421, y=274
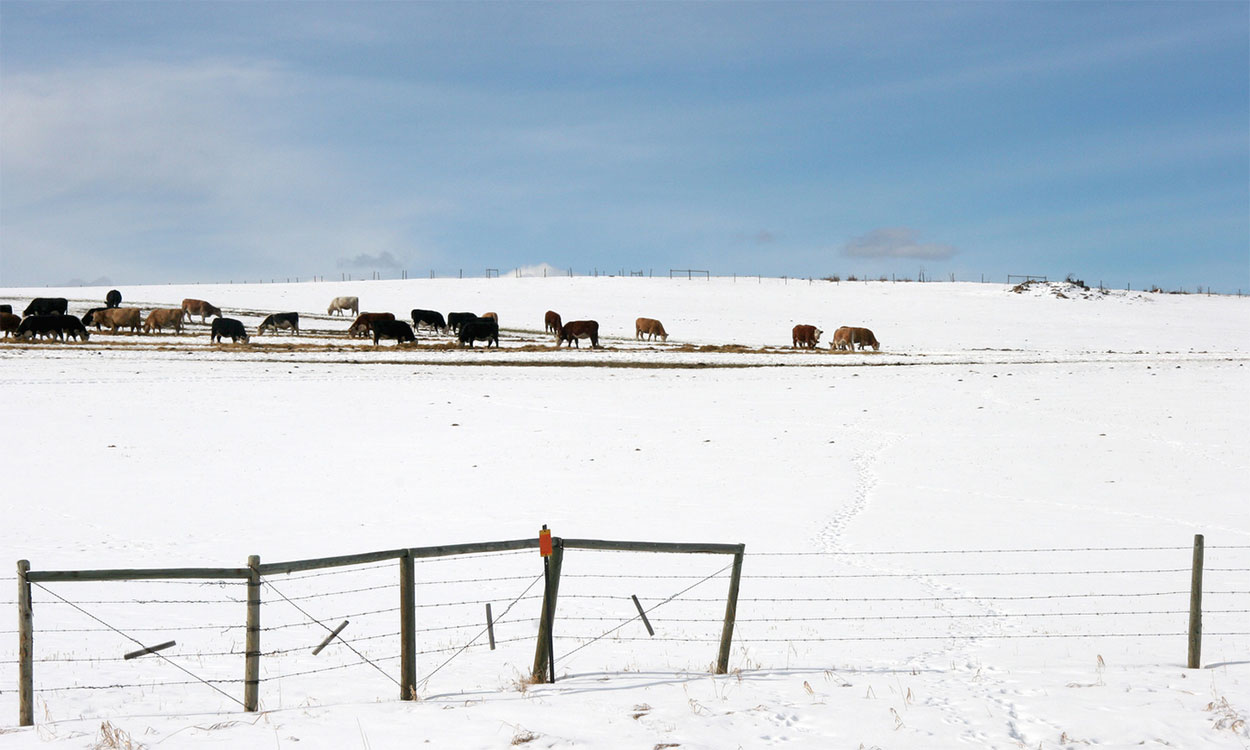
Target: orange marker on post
x=544, y=541
x=544, y=549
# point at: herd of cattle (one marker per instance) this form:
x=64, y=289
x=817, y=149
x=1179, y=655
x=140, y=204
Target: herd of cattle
x=47, y=317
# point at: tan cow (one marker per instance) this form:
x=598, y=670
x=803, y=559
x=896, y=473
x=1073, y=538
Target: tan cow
x=551, y=321
x=120, y=317
x=651, y=328
x=492, y=316
x=363, y=325
x=162, y=318
x=199, y=307
x=805, y=337
x=9, y=323
x=842, y=340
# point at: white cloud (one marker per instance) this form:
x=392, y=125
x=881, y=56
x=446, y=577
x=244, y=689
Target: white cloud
x=895, y=242
x=541, y=269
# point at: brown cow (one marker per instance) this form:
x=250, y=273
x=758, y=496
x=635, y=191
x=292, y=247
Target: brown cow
x=805, y=337
x=363, y=326
x=199, y=307
x=551, y=322
x=492, y=316
x=847, y=337
x=119, y=317
x=9, y=323
x=162, y=318
x=578, y=329
x=864, y=338
x=649, y=327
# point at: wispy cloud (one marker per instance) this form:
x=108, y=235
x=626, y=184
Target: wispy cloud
x=895, y=242
x=383, y=260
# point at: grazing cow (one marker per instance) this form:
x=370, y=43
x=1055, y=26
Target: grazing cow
x=201, y=308
x=393, y=329
x=432, y=319
x=578, y=329
x=73, y=328
x=457, y=319
x=162, y=318
x=551, y=322
x=113, y=298
x=341, y=305
x=119, y=317
x=479, y=329
x=864, y=338
x=46, y=306
x=806, y=337
x=9, y=323
x=842, y=340
x=43, y=326
x=90, y=317
x=6, y=309
x=649, y=327
x=289, y=321
x=364, y=323
x=227, y=328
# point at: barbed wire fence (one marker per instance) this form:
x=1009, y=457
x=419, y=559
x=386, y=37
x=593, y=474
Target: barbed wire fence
x=613, y=614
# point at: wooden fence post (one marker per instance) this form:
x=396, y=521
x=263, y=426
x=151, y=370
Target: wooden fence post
x=251, y=659
x=539, y=673
x=25, y=648
x=1195, y=607
x=407, y=629
x=731, y=613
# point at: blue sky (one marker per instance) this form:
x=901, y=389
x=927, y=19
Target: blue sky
x=152, y=142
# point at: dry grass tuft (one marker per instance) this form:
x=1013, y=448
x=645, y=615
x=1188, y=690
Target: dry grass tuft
x=113, y=738
x=523, y=736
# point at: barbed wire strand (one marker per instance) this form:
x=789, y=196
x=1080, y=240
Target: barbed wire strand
x=329, y=629
x=648, y=610
x=139, y=643
x=421, y=684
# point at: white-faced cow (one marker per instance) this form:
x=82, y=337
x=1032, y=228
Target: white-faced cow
x=805, y=336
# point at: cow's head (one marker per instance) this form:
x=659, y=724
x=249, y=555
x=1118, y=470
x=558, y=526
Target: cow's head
x=817, y=338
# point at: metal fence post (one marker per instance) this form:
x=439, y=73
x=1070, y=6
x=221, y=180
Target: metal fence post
x=25, y=648
x=731, y=612
x=1195, y=607
x=251, y=663
x=407, y=629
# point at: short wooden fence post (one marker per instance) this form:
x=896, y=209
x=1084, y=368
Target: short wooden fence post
x=407, y=628
x=25, y=648
x=539, y=673
x=731, y=613
x=251, y=659
x=1195, y=607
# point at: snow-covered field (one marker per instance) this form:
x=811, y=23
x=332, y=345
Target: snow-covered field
x=979, y=536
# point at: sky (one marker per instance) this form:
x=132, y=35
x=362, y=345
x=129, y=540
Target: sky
x=218, y=141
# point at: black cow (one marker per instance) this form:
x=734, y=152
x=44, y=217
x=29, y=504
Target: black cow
x=455, y=320
x=6, y=308
x=47, y=306
x=430, y=318
x=479, y=329
x=280, y=320
x=90, y=319
x=393, y=329
x=113, y=298
x=73, y=328
x=228, y=328
x=43, y=326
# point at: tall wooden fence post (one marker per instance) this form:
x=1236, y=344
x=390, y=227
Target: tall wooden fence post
x=251, y=663
x=407, y=629
x=731, y=613
x=550, y=594
x=25, y=648
x=1195, y=607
